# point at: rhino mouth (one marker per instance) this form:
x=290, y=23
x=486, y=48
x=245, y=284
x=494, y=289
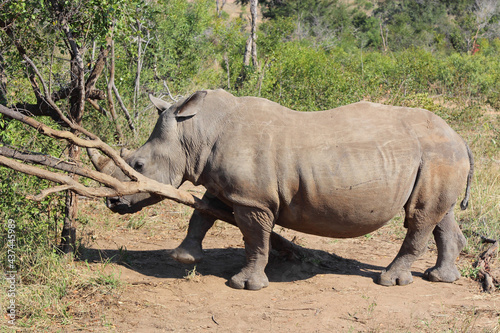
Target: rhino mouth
x=122, y=205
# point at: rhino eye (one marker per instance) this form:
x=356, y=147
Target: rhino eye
x=138, y=166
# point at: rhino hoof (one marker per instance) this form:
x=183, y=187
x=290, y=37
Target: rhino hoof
x=442, y=274
x=388, y=278
x=255, y=281
x=186, y=256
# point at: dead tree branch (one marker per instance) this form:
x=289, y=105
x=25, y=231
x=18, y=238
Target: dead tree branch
x=98, y=67
x=111, y=83
x=99, y=108
x=124, y=108
x=114, y=187
x=93, y=142
x=168, y=91
x=58, y=164
x=484, y=265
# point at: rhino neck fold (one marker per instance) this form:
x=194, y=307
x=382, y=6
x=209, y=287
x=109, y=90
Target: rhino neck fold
x=199, y=136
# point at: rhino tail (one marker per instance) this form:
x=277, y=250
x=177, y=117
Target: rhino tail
x=465, y=201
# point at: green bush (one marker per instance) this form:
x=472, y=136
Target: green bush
x=36, y=222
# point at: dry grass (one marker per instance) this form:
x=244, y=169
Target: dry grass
x=53, y=291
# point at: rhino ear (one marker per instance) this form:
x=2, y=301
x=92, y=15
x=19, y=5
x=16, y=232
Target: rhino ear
x=191, y=105
x=160, y=104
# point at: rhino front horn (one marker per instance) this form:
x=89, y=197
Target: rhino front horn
x=102, y=163
x=124, y=152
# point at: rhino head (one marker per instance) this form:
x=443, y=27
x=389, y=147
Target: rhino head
x=163, y=157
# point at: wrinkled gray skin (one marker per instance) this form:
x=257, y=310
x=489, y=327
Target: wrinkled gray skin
x=338, y=173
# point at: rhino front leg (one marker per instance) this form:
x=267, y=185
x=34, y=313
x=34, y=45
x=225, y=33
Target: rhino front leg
x=256, y=226
x=190, y=250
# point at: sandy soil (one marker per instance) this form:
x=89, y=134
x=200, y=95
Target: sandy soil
x=332, y=289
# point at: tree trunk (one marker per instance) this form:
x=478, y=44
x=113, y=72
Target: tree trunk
x=251, y=47
x=68, y=235
x=139, y=64
x=384, y=38
x=77, y=105
x=253, y=11
x=138, y=74
x=226, y=59
x=111, y=83
x=3, y=83
x=219, y=4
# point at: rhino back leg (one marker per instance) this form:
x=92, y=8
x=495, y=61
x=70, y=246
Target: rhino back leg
x=414, y=245
x=434, y=195
x=450, y=241
x=256, y=226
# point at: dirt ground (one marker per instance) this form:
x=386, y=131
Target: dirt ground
x=332, y=289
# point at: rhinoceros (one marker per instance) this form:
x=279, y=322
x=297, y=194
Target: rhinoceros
x=338, y=173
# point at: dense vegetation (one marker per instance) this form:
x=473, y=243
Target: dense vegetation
x=438, y=54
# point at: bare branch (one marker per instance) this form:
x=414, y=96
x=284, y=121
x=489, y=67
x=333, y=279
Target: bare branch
x=168, y=91
x=44, y=193
x=94, y=141
x=111, y=83
x=50, y=161
x=114, y=187
x=98, y=67
x=41, y=159
x=57, y=178
x=124, y=108
x=48, y=98
x=99, y=108
x=118, y=188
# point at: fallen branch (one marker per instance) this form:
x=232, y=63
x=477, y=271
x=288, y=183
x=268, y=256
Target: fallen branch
x=484, y=239
x=44, y=193
x=484, y=266
x=55, y=163
x=114, y=187
x=94, y=141
x=41, y=159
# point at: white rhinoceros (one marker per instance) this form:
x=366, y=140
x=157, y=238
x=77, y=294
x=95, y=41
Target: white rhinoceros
x=344, y=172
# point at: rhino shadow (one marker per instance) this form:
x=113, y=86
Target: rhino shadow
x=226, y=262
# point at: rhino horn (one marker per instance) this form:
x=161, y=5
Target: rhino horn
x=124, y=152
x=160, y=104
x=101, y=163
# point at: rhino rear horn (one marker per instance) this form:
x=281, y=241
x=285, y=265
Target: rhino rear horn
x=160, y=104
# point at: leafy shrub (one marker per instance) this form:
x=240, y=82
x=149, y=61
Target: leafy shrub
x=36, y=222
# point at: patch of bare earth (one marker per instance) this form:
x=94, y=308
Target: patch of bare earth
x=332, y=289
